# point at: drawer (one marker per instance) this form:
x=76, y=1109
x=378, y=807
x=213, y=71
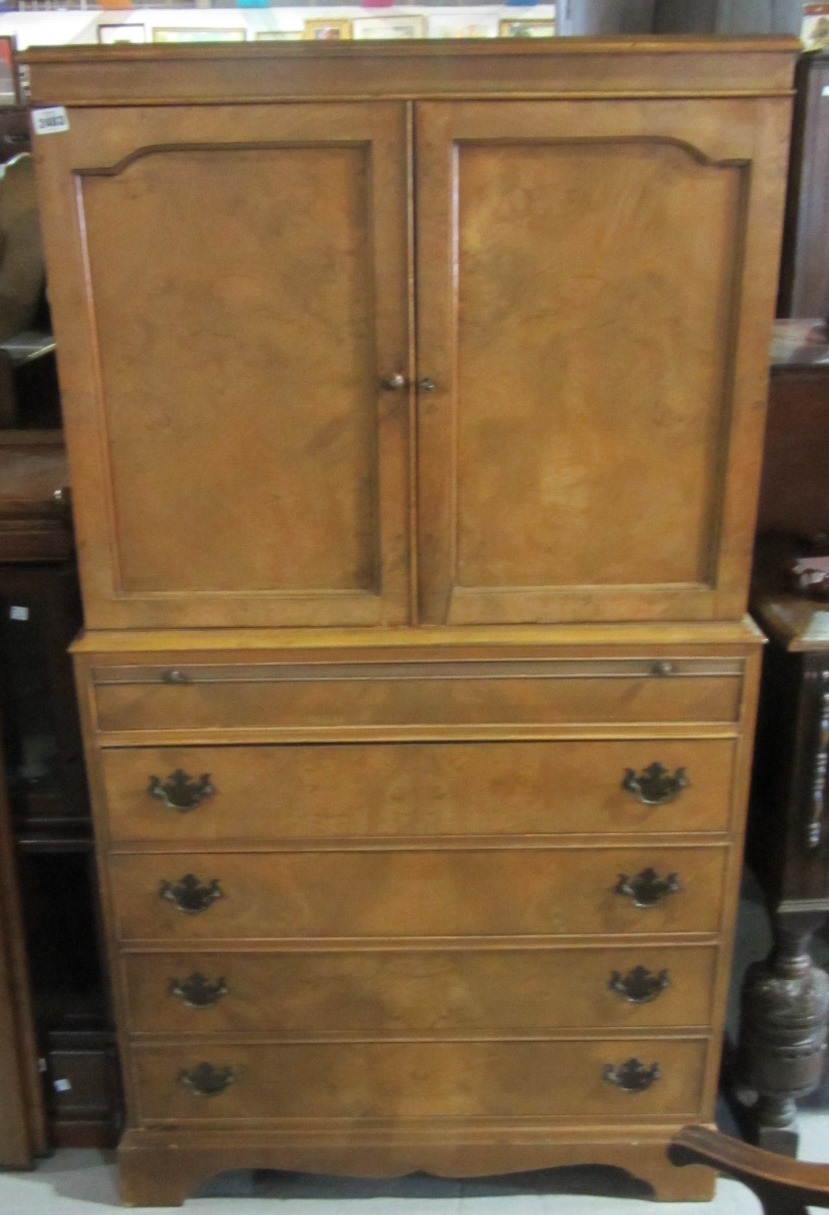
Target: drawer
x=399, y=990
x=342, y=698
x=416, y=789
x=416, y=1080
x=411, y=893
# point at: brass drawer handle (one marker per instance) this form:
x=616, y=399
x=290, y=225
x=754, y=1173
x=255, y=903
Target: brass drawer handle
x=655, y=785
x=190, y=895
x=198, y=991
x=632, y=1076
x=647, y=888
x=640, y=985
x=205, y=1080
x=181, y=792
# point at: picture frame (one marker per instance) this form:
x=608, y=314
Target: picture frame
x=113, y=35
x=517, y=27
x=814, y=29
x=400, y=27
x=462, y=25
x=327, y=30
x=9, y=81
x=218, y=33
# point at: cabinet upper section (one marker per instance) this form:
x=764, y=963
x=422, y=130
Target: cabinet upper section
x=397, y=334
x=641, y=66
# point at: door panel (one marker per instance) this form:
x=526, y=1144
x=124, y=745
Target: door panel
x=581, y=273
x=255, y=472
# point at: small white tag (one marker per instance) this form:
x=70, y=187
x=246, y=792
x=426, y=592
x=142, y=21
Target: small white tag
x=63, y=1086
x=824, y=92
x=41, y=1063
x=17, y=612
x=50, y=121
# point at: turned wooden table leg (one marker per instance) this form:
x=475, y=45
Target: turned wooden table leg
x=783, y=1029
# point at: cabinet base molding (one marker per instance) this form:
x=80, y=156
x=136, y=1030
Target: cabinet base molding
x=160, y=1169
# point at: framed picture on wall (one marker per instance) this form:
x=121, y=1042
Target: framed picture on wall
x=330, y=30
x=390, y=27
x=111, y=35
x=463, y=25
x=168, y=34
x=814, y=30
x=526, y=29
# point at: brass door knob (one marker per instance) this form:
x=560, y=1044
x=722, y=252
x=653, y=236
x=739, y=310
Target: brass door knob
x=426, y=384
x=393, y=383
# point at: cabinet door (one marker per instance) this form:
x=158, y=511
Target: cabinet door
x=595, y=295
x=230, y=286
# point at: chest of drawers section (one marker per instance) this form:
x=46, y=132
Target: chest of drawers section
x=430, y=905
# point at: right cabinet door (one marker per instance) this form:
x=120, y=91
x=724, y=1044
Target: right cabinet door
x=595, y=296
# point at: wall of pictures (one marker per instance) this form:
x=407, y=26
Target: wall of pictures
x=56, y=22
x=274, y=21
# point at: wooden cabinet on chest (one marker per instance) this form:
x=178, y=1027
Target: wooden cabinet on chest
x=467, y=342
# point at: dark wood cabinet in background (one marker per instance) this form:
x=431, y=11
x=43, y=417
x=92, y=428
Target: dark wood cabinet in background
x=55, y=1039
x=804, y=273
x=786, y=996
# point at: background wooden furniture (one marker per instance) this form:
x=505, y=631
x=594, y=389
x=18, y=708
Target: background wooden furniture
x=784, y=1187
x=29, y=397
x=786, y=999
x=804, y=271
x=678, y=17
x=22, y=1113
x=52, y=929
x=448, y=883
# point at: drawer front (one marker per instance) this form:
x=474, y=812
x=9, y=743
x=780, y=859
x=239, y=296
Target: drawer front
x=416, y=1080
x=396, y=990
x=343, y=698
x=417, y=789
x=410, y=893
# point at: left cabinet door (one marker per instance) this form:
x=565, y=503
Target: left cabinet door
x=230, y=289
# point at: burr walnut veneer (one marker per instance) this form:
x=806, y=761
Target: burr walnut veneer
x=414, y=398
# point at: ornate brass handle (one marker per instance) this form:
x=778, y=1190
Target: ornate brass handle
x=655, y=785
x=640, y=985
x=208, y=1081
x=647, y=888
x=198, y=991
x=181, y=792
x=190, y=895
x=632, y=1076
